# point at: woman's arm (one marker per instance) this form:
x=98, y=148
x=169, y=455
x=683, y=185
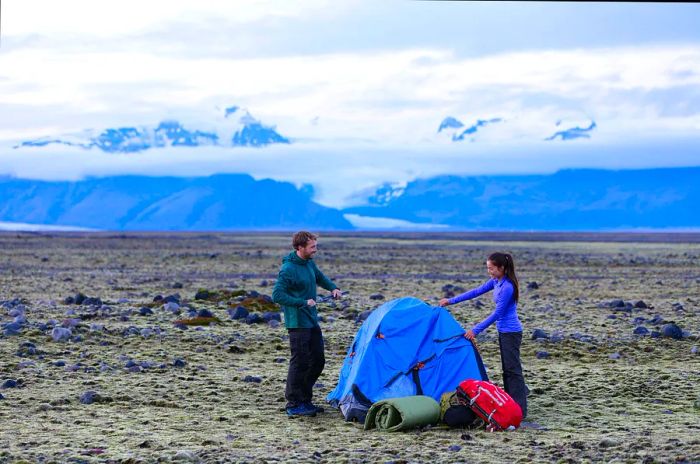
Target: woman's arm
x=502, y=300
x=488, y=285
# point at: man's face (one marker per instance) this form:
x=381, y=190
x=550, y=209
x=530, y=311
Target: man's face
x=307, y=252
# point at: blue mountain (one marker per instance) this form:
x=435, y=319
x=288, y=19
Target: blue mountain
x=240, y=129
x=574, y=199
x=219, y=202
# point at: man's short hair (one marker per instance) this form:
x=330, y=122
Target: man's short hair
x=301, y=238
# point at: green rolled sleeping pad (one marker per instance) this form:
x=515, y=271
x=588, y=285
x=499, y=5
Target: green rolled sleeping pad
x=394, y=414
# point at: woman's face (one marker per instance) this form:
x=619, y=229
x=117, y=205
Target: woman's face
x=494, y=271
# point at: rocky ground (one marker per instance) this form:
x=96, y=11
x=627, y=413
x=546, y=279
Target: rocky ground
x=94, y=366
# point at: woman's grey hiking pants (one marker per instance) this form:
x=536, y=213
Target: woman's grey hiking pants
x=513, y=381
x=305, y=365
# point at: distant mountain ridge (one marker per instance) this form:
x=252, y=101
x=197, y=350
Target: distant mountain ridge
x=568, y=200
x=572, y=199
x=239, y=129
x=219, y=202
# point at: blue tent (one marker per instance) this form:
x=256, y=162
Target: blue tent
x=404, y=348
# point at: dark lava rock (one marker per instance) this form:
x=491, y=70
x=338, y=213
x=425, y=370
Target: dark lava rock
x=175, y=298
x=204, y=313
x=363, y=315
x=655, y=334
x=145, y=311
x=542, y=355
x=272, y=316
x=202, y=295
x=60, y=334
x=239, y=312
x=79, y=298
x=455, y=448
x=69, y=300
x=92, y=301
x=641, y=305
x=12, y=328
x=1, y=397
x=273, y=324
x=59, y=363
x=178, y=362
x=181, y=326
x=672, y=331
x=539, y=333
x=252, y=294
x=252, y=378
x=376, y=296
x=641, y=330
x=177, y=285
x=479, y=304
x=656, y=320
x=130, y=363
x=532, y=286
x=263, y=283
x=158, y=298
x=253, y=318
x=281, y=360
x=9, y=383
x=90, y=397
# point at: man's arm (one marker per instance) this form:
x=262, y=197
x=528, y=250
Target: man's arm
x=323, y=281
x=280, y=294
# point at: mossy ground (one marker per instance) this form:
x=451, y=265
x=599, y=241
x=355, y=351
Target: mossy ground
x=584, y=406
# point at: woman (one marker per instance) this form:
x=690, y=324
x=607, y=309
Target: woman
x=504, y=283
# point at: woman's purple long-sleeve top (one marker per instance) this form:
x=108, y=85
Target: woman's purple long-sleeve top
x=505, y=314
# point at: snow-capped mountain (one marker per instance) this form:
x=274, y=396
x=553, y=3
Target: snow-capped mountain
x=457, y=132
x=573, y=132
x=235, y=128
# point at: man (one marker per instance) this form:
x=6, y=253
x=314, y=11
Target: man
x=295, y=291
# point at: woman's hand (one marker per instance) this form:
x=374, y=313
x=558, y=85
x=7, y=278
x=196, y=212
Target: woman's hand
x=444, y=302
x=470, y=335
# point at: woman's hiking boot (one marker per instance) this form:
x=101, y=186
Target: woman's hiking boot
x=304, y=409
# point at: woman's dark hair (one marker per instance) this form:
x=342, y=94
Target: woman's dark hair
x=505, y=260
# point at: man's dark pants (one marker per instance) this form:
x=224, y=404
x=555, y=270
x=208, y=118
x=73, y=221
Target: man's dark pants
x=305, y=366
x=513, y=381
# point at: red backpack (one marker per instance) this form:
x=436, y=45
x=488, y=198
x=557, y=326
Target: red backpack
x=491, y=403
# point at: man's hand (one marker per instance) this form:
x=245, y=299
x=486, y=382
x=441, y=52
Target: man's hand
x=444, y=302
x=310, y=302
x=336, y=293
x=469, y=335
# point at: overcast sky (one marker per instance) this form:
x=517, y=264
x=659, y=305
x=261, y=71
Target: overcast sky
x=361, y=85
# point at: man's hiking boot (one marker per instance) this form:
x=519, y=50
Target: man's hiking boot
x=318, y=409
x=303, y=409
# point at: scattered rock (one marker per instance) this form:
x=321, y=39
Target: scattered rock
x=542, y=355
x=641, y=330
x=455, y=448
x=532, y=286
x=376, y=296
x=640, y=305
x=239, y=312
x=177, y=285
x=539, y=333
x=253, y=318
x=9, y=383
x=252, y=378
x=145, y=311
x=672, y=331
x=90, y=397
x=272, y=316
x=179, y=362
x=61, y=334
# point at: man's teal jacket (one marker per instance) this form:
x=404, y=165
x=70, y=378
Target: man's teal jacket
x=296, y=283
